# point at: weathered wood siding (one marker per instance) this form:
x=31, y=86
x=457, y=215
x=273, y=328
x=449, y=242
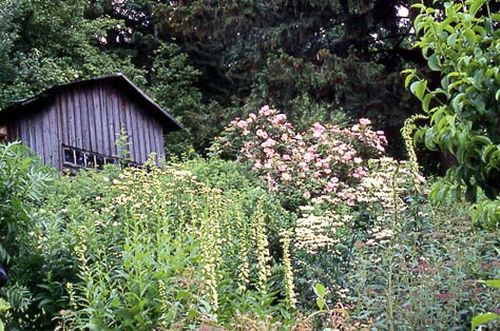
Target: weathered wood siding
x=90, y=117
x=39, y=131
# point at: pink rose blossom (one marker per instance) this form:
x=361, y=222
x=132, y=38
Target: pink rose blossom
x=265, y=111
x=282, y=167
x=261, y=133
x=318, y=130
x=242, y=124
x=286, y=157
x=269, y=143
x=308, y=157
x=269, y=152
x=364, y=121
x=278, y=119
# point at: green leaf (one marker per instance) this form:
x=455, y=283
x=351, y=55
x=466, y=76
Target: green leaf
x=470, y=35
x=475, y=6
x=409, y=78
x=426, y=101
x=433, y=63
x=429, y=140
x=418, y=88
x=320, y=302
x=483, y=319
x=320, y=290
x=1, y=326
x=492, y=282
x=457, y=102
x=452, y=40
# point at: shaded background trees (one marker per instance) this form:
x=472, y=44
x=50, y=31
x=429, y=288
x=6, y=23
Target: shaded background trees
x=208, y=61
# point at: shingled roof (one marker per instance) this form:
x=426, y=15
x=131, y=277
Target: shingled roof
x=119, y=79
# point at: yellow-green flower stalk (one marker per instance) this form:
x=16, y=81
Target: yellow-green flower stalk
x=288, y=269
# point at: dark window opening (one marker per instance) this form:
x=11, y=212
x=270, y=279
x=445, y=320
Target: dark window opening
x=76, y=158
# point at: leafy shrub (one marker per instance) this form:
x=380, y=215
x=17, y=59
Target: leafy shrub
x=163, y=248
x=462, y=45
x=301, y=166
x=425, y=276
x=22, y=183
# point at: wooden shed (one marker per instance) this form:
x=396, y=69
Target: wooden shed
x=77, y=124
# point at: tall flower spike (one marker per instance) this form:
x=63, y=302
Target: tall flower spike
x=288, y=269
x=407, y=132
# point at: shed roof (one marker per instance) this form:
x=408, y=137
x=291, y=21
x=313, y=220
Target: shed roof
x=137, y=94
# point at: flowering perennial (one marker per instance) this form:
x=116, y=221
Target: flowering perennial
x=326, y=159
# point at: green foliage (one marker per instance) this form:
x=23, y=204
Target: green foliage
x=462, y=45
x=22, y=179
x=48, y=43
x=189, y=245
x=423, y=278
x=332, y=56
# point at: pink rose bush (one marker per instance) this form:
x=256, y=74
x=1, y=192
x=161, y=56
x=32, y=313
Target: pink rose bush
x=343, y=187
x=325, y=159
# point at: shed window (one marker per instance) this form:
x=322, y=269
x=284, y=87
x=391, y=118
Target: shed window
x=79, y=158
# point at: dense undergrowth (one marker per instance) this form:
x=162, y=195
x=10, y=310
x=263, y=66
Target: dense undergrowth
x=205, y=245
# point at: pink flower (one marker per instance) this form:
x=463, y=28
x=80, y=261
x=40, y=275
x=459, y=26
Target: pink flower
x=355, y=128
x=318, y=130
x=286, y=176
x=307, y=194
x=257, y=165
x=358, y=160
x=252, y=116
x=261, y=133
x=282, y=167
x=269, y=152
x=286, y=157
x=347, y=156
x=380, y=132
x=265, y=111
x=335, y=129
x=242, y=124
x=364, y=121
x=269, y=143
x=308, y=157
x=280, y=118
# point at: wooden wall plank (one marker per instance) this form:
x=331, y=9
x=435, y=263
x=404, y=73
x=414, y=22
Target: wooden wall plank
x=91, y=119
x=63, y=119
x=75, y=98
x=138, y=128
x=97, y=117
x=54, y=136
x=36, y=121
x=60, y=129
x=104, y=121
x=43, y=119
x=125, y=106
x=108, y=95
x=147, y=137
x=70, y=122
x=118, y=119
x=81, y=98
